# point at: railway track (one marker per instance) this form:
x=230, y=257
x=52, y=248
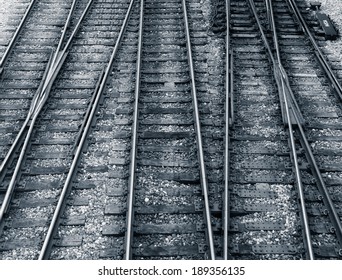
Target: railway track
x=24, y=59
x=164, y=209
x=262, y=208
x=304, y=183
x=50, y=149
x=321, y=112
x=51, y=155
x=17, y=16
x=138, y=138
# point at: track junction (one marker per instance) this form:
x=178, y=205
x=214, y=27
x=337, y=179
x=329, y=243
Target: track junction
x=148, y=130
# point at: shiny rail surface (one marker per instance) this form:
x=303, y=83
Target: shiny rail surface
x=294, y=124
x=229, y=120
x=282, y=88
x=93, y=107
x=132, y=178
x=133, y=156
x=338, y=89
x=329, y=72
x=37, y=104
x=156, y=192
x=15, y=36
x=203, y=174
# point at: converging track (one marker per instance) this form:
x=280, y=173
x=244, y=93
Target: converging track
x=147, y=129
x=54, y=154
x=46, y=158
x=305, y=181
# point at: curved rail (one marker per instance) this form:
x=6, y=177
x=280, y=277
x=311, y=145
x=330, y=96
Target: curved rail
x=283, y=87
x=37, y=104
x=280, y=79
x=335, y=219
x=283, y=84
x=15, y=36
x=42, y=93
x=48, y=242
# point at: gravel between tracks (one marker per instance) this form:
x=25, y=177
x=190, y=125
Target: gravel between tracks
x=331, y=7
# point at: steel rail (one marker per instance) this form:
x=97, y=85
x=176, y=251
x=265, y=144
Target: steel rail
x=300, y=188
x=331, y=76
x=203, y=177
x=10, y=189
x=9, y=192
x=306, y=229
x=20, y=134
x=229, y=84
x=333, y=214
x=263, y=36
x=37, y=104
x=87, y=114
x=133, y=156
x=268, y=16
x=281, y=83
x=62, y=52
x=231, y=89
x=271, y=20
x=15, y=36
x=283, y=87
x=284, y=75
x=320, y=182
x=51, y=72
x=48, y=242
x=2, y=62
x=64, y=32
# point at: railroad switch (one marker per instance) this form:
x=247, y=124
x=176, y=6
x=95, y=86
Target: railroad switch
x=327, y=28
